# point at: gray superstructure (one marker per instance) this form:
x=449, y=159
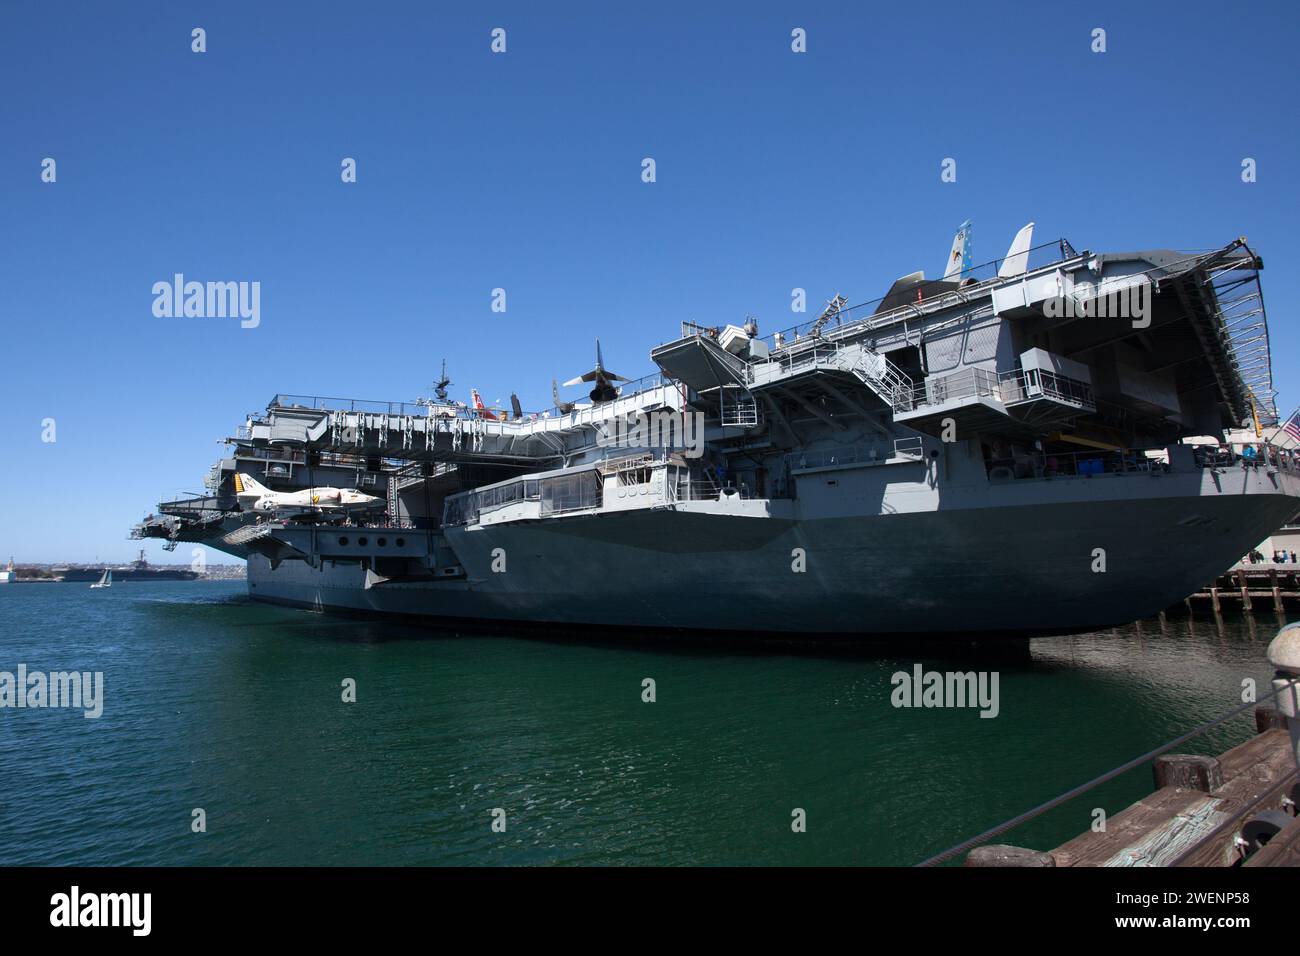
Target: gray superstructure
x=995, y=452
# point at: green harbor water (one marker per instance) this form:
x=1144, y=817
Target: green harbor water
x=214, y=702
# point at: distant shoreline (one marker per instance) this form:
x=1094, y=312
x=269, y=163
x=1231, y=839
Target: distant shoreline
x=55, y=573
x=200, y=579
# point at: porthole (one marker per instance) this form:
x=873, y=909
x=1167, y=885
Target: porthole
x=343, y=541
x=382, y=542
x=401, y=542
x=362, y=542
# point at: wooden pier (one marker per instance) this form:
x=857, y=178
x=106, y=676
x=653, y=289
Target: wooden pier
x=1241, y=808
x=1232, y=810
x=1274, y=587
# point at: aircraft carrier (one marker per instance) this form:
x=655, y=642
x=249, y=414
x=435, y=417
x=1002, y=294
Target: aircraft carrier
x=1031, y=445
x=137, y=570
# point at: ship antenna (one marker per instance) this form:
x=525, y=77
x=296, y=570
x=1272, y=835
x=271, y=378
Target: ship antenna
x=440, y=389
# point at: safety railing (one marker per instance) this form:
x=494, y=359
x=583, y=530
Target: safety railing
x=329, y=404
x=1023, y=385
x=1261, y=454
x=698, y=486
x=425, y=408
x=968, y=383
x=1019, y=385
x=800, y=360
x=1139, y=460
x=912, y=447
x=739, y=414
x=1082, y=464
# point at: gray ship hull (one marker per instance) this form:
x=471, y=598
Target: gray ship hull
x=973, y=571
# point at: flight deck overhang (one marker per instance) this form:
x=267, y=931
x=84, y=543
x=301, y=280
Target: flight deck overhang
x=421, y=432
x=1189, y=322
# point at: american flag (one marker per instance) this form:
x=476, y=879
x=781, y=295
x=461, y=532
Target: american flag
x=1291, y=427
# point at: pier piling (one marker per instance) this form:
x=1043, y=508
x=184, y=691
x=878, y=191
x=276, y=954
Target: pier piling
x=1250, y=584
x=1269, y=718
x=1189, y=771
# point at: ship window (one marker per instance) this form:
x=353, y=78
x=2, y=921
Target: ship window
x=465, y=508
x=462, y=509
x=503, y=495
x=362, y=542
x=343, y=541
x=570, y=492
x=382, y=542
x=401, y=542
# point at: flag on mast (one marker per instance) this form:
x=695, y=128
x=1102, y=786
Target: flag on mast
x=1290, y=429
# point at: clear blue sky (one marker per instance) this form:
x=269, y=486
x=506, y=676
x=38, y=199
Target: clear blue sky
x=523, y=171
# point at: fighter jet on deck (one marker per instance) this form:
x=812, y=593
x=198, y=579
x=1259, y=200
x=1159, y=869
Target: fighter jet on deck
x=254, y=496
x=603, y=379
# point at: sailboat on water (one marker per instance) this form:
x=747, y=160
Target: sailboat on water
x=105, y=581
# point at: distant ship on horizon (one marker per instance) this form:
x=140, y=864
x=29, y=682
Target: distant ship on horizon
x=137, y=570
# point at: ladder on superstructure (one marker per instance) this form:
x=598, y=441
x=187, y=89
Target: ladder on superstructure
x=833, y=308
x=893, y=386
x=393, y=516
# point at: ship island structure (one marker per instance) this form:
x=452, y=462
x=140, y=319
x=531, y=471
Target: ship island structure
x=990, y=453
